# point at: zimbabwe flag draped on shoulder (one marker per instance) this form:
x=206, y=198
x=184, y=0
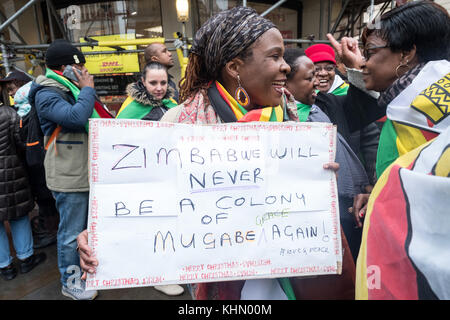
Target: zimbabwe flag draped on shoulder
x=132, y=109
x=418, y=114
x=99, y=111
x=405, y=248
x=339, y=86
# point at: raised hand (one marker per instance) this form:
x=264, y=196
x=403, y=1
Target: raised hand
x=348, y=51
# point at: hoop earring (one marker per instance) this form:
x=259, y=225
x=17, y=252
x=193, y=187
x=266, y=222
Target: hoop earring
x=241, y=95
x=399, y=66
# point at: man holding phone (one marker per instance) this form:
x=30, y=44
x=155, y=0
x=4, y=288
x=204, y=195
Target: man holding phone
x=64, y=107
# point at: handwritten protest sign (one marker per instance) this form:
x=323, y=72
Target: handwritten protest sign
x=176, y=203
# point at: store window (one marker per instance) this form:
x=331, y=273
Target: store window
x=286, y=19
x=139, y=17
x=112, y=21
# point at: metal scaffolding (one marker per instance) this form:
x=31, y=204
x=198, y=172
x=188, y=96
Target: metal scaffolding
x=348, y=22
x=34, y=53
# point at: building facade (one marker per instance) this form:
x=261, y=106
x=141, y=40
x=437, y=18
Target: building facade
x=84, y=21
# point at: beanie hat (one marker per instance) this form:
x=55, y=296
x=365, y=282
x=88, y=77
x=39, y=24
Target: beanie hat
x=61, y=52
x=321, y=52
x=16, y=75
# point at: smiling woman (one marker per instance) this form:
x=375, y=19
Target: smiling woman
x=150, y=97
x=324, y=60
x=230, y=57
x=236, y=73
x=239, y=51
x=407, y=60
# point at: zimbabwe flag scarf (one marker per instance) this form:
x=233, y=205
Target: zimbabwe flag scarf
x=405, y=244
x=417, y=114
x=99, y=111
x=131, y=109
x=339, y=86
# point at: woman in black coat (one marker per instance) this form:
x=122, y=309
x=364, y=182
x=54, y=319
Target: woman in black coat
x=15, y=199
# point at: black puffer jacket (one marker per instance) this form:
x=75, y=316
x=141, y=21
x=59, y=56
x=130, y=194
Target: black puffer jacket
x=15, y=195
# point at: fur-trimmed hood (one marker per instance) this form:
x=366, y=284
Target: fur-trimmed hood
x=138, y=92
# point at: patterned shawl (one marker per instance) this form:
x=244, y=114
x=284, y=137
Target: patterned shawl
x=199, y=109
x=417, y=111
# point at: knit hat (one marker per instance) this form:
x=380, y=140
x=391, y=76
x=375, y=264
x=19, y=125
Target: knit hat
x=226, y=35
x=16, y=75
x=321, y=52
x=61, y=52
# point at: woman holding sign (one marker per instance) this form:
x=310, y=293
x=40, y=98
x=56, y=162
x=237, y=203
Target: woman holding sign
x=149, y=97
x=236, y=73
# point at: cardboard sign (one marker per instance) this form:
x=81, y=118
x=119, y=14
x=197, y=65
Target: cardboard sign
x=176, y=203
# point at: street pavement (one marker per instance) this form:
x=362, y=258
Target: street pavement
x=42, y=283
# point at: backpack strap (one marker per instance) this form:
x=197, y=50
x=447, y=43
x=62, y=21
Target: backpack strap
x=53, y=138
x=66, y=96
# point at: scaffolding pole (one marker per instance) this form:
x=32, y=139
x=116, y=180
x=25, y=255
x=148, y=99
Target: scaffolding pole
x=4, y=54
x=38, y=49
x=110, y=43
x=50, y=22
x=330, y=5
x=305, y=41
x=17, y=14
x=3, y=18
x=276, y=5
x=55, y=16
x=36, y=19
x=341, y=14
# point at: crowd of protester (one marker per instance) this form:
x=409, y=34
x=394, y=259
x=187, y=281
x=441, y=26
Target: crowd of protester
x=385, y=79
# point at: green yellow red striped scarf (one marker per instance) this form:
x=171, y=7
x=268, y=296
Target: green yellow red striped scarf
x=98, y=112
x=339, y=87
x=274, y=114
x=341, y=90
x=131, y=109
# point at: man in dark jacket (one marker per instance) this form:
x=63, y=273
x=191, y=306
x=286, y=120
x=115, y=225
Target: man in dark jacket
x=15, y=199
x=64, y=107
x=158, y=52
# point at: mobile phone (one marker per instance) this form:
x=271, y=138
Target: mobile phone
x=69, y=73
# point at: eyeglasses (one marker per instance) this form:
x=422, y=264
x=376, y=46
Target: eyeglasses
x=327, y=68
x=367, y=53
